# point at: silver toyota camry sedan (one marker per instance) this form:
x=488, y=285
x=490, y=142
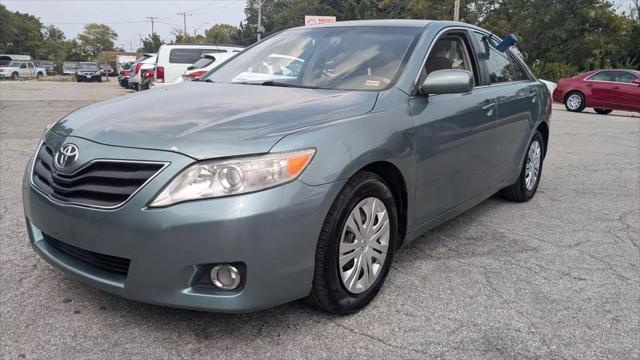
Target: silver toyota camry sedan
x=295, y=170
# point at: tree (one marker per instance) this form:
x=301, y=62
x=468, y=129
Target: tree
x=151, y=44
x=97, y=38
x=222, y=34
x=20, y=33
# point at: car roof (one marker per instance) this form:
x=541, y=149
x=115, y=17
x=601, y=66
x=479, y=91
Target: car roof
x=394, y=23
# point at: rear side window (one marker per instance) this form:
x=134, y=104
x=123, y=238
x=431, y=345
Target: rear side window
x=604, y=76
x=501, y=66
x=185, y=56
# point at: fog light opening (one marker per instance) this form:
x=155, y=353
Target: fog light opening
x=225, y=276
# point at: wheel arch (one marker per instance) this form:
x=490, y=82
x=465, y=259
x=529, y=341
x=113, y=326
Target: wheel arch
x=395, y=180
x=543, y=128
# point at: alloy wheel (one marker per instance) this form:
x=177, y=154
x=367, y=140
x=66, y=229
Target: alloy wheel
x=574, y=101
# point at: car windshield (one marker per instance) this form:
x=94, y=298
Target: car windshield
x=203, y=62
x=344, y=58
x=88, y=66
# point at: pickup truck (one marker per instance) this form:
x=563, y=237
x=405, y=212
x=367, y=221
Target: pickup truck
x=22, y=70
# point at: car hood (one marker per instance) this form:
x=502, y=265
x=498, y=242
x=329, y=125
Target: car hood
x=208, y=120
x=8, y=68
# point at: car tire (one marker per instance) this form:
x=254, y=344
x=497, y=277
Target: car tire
x=14, y=76
x=329, y=291
x=527, y=184
x=602, y=111
x=574, y=102
x=39, y=76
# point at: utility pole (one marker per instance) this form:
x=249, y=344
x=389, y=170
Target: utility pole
x=259, y=27
x=184, y=17
x=152, y=18
x=456, y=11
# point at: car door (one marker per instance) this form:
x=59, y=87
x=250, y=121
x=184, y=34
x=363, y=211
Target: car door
x=454, y=133
x=23, y=71
x=630, y=94
x=518, y=98
x=604, y=91
x=31, y=69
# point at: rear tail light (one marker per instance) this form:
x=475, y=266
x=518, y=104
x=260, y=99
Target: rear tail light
x=137, y=69
x=196, y=74
x=125, y=73
x=160, y=74
x=148, y=74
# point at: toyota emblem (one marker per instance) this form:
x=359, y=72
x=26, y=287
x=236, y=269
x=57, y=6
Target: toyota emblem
x=67, y=154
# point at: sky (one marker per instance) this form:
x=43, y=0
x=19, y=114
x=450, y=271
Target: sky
x=128, y=18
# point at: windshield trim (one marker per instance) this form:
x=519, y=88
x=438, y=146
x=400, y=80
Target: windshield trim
x=418, y=32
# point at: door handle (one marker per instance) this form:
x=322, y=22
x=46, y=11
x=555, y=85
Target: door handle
x=533, y=96
x=488, y=106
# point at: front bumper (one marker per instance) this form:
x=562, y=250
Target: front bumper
x=273, y=233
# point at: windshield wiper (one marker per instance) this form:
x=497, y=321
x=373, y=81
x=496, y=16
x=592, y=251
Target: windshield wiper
x=205, y=80
x=284, y=84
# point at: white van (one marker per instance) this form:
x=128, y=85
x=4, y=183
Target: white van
x=174, y=59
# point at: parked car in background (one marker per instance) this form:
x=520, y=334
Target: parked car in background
x=106, y=70
x=49, y=66
x=206, y=63
x=550, y=85
x=69, y=67
x=234, y=195
x=147, y=79
x=147, y=63
x=173, y=60
x=125, y=74
x=88, y=71
x=22, y=70
x=602, y=90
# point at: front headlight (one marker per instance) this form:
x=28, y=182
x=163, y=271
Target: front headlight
x=216, y=178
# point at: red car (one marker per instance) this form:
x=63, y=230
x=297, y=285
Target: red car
x=602, y=90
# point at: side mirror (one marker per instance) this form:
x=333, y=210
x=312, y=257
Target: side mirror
x=447, y=82
x=637, y=81
x=190, y=68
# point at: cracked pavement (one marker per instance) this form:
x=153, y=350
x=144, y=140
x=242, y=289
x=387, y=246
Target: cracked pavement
x=555, y=278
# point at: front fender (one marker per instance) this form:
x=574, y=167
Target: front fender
x=386, y=134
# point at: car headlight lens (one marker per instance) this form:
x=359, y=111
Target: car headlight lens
x=217, y=178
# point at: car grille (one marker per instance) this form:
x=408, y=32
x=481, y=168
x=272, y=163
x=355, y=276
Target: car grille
x=102, y=183
x=105, y=262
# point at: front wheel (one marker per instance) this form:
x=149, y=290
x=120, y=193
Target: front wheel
x=574, y=102
x=527, y=184
x=356, y=246
x=602, y=111
x=14, y=76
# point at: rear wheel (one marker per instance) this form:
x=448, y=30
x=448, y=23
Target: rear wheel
x=39, y=76
x=356, y=246
x=603, y=111
x=574, y=101
x=527, y=184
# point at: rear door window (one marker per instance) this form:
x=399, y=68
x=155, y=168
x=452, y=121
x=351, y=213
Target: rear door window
x=625, y=77
x=501, y=66
x=185, y=56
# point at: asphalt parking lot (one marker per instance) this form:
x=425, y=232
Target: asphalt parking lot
x=558, y=277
